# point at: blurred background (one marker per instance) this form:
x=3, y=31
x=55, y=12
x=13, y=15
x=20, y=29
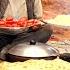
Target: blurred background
x=53, y=8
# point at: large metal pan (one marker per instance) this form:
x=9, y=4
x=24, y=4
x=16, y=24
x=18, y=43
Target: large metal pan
x=28, y=50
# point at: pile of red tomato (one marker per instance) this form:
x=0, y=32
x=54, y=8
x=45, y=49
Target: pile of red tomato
x=22, y=22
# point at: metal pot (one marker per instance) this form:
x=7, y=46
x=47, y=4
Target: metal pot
x=28, y=50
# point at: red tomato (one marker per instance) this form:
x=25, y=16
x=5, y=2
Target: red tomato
x=9, y=22
x=34, y=22
x=15, y=25
x=23, y=19
x=9, y=18
x=31, y=22
x=2, y=23
x=22, y=22
x=7, y=25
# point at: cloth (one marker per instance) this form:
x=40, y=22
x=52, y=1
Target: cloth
x=30, y=9
x=18, y=8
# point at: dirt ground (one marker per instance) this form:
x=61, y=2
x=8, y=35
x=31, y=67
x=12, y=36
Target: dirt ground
x=53, y=8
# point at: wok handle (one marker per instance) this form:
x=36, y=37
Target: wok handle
x=65, y=56
x=4, y=51
x=44, y=22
